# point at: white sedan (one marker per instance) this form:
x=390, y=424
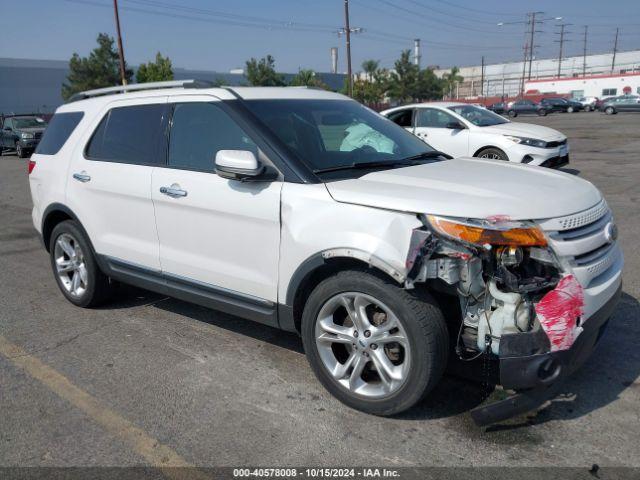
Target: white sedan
x=464, y=130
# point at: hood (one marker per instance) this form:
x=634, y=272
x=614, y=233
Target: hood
x=471, y=188
x=31, y=129
x=525, y=130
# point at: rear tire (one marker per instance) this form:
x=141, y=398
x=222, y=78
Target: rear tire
x=492, y=153
x=512, y=113
x=542, y=113
x=75, y=268
x=348, y=363
x=570, y=110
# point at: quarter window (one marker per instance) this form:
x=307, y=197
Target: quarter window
x=130, y=135
x=430, y=117
x=58, y=131
x=199, y=131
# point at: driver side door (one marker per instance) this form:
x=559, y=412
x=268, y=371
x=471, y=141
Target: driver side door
x=434, y=126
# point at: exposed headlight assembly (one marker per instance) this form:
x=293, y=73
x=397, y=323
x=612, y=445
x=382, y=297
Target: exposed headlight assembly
x=496, y=232
x=531, y=142
x=27, y=135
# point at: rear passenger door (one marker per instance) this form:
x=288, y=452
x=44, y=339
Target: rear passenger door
x=109, y=180
x=219, y=237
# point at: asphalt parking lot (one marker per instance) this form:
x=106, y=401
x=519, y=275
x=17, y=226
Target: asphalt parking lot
x=154, y=380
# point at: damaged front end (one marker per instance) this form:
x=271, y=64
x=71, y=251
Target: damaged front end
x=516, y=304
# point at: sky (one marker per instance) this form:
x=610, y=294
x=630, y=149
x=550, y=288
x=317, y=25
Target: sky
x=222, y=34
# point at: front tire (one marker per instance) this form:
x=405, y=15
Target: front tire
x=512, y=113
x=492, y=153
x=375, y=346
x=570, y=110
x=20, y=151
x=542, y=112
x=75, y=268
x=609, y=111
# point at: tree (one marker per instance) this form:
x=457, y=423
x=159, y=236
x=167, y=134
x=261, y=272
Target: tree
x=100, y=69
x=307, y=78
x=429, y=87
x=262, y=73
x=157, y=71
x=451, y=79
x=403, y=85
x=370, y=67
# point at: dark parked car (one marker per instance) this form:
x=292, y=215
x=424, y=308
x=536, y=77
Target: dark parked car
x=624, y=103
x=499, y=107
x=21, y=133
x=521, y=107
x=562, y=105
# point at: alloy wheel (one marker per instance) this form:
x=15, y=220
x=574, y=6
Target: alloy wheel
x=70, y=265
x=363, y=345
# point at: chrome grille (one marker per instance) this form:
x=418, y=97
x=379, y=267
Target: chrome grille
x=581, y=242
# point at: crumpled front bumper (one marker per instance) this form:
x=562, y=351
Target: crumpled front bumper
x=537, y=377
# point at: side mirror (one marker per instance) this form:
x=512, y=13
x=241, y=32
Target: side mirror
x=238, y=165
x=455, y=126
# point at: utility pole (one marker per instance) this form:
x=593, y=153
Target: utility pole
x=524, y=68
x=561, y=41
x=584, y=53
x=482, y=77
x=615, y=50
x=347, y=30
x=123, y=77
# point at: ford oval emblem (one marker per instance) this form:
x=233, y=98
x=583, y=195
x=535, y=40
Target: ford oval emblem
x=611, y=232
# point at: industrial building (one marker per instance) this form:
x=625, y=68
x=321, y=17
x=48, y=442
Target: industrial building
x=592, y=74
x=34, y=86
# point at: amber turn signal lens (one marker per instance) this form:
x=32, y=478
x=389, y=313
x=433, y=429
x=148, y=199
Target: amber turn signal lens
x=516, y=237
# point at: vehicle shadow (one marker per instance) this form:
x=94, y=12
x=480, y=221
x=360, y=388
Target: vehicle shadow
x=612, y=368
x=572, y=171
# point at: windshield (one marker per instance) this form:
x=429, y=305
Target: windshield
x=326, y=134
x=28, y=122
x=480, y=117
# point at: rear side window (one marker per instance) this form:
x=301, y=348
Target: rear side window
x=130, y=135
x=402, y=117
x=58, y=131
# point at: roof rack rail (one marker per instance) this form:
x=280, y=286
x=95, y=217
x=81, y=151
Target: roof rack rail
x=139, y=87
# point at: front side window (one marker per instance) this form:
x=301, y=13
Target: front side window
x=130, y=135
x=330, y=134
x=404, y=118
x=59, y=130
x=199, y=131
x=7, y=123
x=433, y=118
x=481, y=117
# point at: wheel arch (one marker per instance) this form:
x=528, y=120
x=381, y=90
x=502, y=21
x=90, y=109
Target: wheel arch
x=321, y=266
x=486, y=147
x=55, y=214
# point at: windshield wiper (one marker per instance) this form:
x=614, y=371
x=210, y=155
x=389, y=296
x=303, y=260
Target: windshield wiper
x=426, y=155
x=405, y=162
x=355, y=166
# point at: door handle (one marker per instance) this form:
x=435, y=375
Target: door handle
x=174, y=191
x=82, y=177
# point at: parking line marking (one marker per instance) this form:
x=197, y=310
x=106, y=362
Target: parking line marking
x=157, y=454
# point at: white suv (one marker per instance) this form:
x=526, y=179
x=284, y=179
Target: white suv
x=303, y=210
x=461, y=130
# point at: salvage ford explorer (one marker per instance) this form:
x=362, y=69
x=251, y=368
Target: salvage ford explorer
x=303, y=210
